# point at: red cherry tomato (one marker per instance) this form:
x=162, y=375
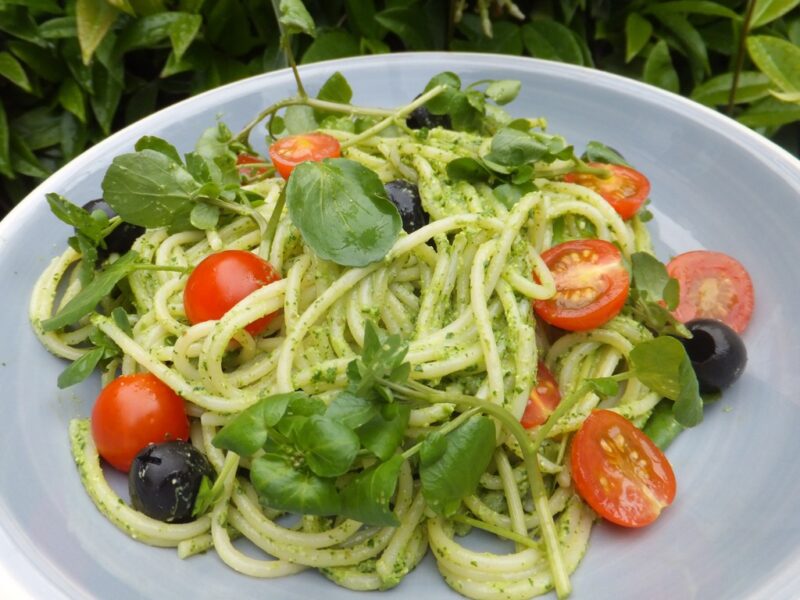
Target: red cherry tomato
x=592, y=284
x=133, y=411
x=619, y=471
x=223, y=279
x=625, y=190
x=244, y=159
x=543, y=399
x=714, y=286
x=290, y=151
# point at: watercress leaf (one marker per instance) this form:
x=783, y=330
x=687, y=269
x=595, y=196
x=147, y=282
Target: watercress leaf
x=342, y=211
x=441, y=104
x=88, y=250
x=151, y=142
x=522, y=175
x=305, y=406
x=605, y=386
x=433, y=448
x=121, y=320
x=351, y=410
x=207, y=496
x=599, y=152
x=672, y=293
x=688, y=409
x=84, y=301
x=248, y=431
x=649, y=275
x=330, y=447
x=513, y=148
x=476, y=99
x=76, y=216
x=213, y=142
x=290, y=427
x=385, y=431
x=367, y=497
x=299, y=119
x=105, y=343
x=283, y=486
x=467, y=169
x=80, y=368
x=204, y=216
x=336, y=89
x=509, y=194
x=662, y=427
x=147, y=188
x=401, y=373
x=455, y=473
x=503, y=91
x=295, y=18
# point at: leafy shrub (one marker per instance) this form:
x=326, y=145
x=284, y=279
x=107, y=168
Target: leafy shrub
x=72, y=72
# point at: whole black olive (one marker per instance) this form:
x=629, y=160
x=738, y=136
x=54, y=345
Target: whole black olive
x=421, y=117
x=717, y=353
x=405, y=196
x=165, y=478
x=121, y=239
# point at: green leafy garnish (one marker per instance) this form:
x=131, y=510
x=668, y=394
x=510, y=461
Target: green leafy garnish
x=367, y=497
x=654, y=294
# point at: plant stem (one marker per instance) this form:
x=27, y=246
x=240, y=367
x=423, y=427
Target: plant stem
x=498, y=531
x=261, y=222
x=286, y=45
x=272, y=226
x=399, y=114
x=173, y=269
x=748, y=17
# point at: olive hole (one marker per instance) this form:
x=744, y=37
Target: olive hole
x=701, y=347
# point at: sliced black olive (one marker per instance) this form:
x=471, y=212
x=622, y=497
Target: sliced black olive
x=405, y=196
x=421, y=118
x=121, y=239
x=165, y=478
x=717, y=353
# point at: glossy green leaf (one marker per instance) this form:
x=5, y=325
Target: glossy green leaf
x=148, y=31
x=39, y=128
x=361, y=13
x=336, y=89
x=605, y=386
x=503, y=91
x=697, y=7
x=367, y=497
x=71, y=98
x=299, y=119
x=283, y=486
x=752, y=86
x=793, y=97
x=770, y=112
x=384, y=433
x=204, y=216
x=77, y=217
x=106, y=97
x=151, y=142
x=659, y=70
x=80, y=368
x=44, y=62
x=329, y=447
x=85, y=301
x=247, y=432
x=351, y=410
x=767, y=11
x=342, y=211
x=599, y=152
x=690, y=42
x=551, y=40
x=147, y=188
x=467, y=169
x=506, y=37
x=513, y=148
x=123, y=5
x=450, y=475
x=182, y=32
x=637, y=33
x=778, y=59
x=59, y=28
x=94, y=19
x=331, y=44
x=23, y=160
x=11, y=69
x=295, y=18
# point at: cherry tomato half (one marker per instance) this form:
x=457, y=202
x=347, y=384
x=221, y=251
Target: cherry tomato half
x=543, y=399
x=244, y=159
x=625, y=190
x=619, y=471
x=714, y=286
x=133, y=411
x=592, y=284
x=222, y=280
x=290, y=151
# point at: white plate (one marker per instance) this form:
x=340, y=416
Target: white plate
x=734, y=529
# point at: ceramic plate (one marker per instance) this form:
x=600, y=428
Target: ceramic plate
x=733, y=531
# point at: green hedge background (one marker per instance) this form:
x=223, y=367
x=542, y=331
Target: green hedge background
x=73, y=72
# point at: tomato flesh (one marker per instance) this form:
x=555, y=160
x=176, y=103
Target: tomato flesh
x=619, y=471
x=592, y=284
x=625, y=190
x=222, y=280
x=290, y=151
x=543, y=399
x=713, y=286
x=133, y=411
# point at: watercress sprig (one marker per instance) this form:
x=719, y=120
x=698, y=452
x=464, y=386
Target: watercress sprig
x=653, y=295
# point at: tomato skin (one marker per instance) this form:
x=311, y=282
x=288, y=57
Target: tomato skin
x=133, y=411
x=244, y=159
x=290, y=151
x=543, y=399
x=619, y=471
x=713, y=286
x=626, y=189
x=592, y=284
x=223, y=279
